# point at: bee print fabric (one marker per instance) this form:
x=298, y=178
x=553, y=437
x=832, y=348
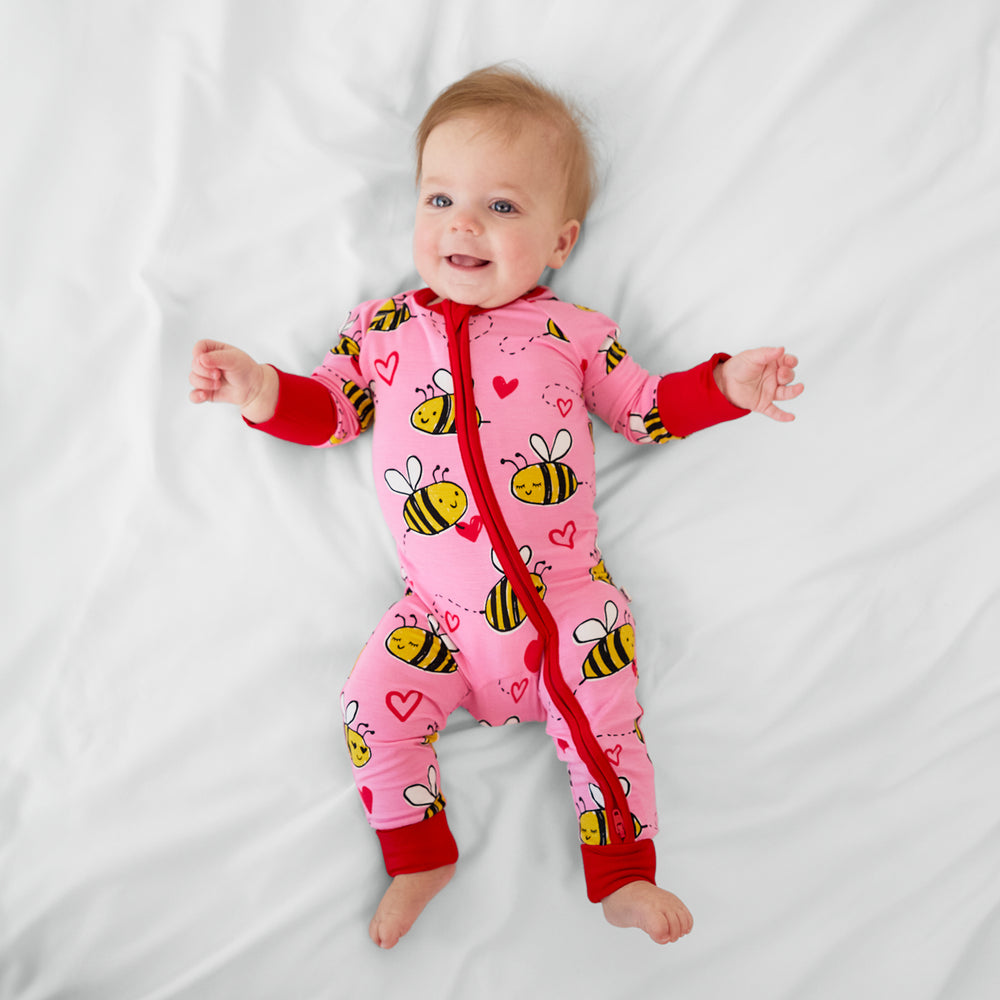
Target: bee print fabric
x=459, y=636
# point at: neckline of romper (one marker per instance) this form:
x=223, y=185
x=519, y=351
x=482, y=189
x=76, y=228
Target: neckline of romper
x=425, y=297
x=456, y=316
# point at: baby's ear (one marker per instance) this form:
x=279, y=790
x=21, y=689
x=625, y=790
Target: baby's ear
x=566, y=240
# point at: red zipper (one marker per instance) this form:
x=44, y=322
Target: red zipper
x=506, y=549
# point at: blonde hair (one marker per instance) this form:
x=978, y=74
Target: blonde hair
x=508, y=98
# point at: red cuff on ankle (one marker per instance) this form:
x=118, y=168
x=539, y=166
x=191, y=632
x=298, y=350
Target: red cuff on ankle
x=609, y=867
x=419, y=847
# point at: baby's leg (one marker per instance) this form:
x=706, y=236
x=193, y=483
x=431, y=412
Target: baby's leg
x=601, y=672
x=396, y=700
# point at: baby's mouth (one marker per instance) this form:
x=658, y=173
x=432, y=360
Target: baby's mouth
x=464, y=260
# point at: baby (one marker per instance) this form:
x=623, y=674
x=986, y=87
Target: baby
x=479, y=388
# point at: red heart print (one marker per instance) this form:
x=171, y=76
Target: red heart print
x=518, y=688
x=564, y=537
x=503, y=387
x=563, y=746
x=451, y=621
x=614, y=755
x=403, y=705
x=469, y=530
x=533, y=655
x=386, y=367
x=565, y=405
x=367, y=798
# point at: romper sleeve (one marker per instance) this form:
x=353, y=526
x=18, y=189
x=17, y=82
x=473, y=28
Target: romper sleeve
x=333, y=404
x=645, y=408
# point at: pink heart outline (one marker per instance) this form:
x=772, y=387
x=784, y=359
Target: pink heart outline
x=518, y=688
x=386, y=368
x=451, y=621
x=407, y=701
x=614, y=755
x=565, y=536
x=564, y=405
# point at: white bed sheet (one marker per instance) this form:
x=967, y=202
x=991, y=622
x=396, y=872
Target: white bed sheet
x=182, y=598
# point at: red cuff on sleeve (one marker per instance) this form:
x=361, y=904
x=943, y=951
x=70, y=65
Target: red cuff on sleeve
x=419, y=847
x=608, y=867
x=304, y=413
x=691, y=401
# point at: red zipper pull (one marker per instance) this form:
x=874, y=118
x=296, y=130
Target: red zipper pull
x=616, y=818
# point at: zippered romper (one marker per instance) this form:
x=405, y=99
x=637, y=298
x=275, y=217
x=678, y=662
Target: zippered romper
x=484, y=466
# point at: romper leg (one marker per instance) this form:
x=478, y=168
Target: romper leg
x=596, y=654
x=396, y=700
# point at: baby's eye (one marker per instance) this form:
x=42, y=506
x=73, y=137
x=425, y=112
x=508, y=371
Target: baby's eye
x=502, y=207
x=439, y=200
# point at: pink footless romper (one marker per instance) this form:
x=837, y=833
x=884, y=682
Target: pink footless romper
x=484, y=462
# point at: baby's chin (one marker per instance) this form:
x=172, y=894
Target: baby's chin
x=475, y=297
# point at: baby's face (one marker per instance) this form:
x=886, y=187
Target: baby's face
x=490, y=213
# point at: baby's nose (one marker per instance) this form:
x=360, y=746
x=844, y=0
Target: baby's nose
x=466, y=222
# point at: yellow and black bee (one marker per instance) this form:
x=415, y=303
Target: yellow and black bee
x=390, y=316
x=356, y=746
x=650, y=427
x=599, y=573
x=424, y=649
x=426, y=797
x=346, y=345
x=613, y=353
x=594, y=824
x=548, y=481
x=361, y=402
x=615, y=647
x=429, y=509
x=551, y=330
x=504, y=612
x=436, y=414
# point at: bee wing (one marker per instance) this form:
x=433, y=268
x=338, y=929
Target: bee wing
x=496, y=562
x=444, y=381
x=444, y=637
x=418, y=795
x=414, y=470
x=591, y=630
x=350, y=712
x=432, y=780
x=539, y=447
x=610, y=614
x=525, y=551
x=597, y=795
x=626, y=785
x=396, y=482
x=561, y=444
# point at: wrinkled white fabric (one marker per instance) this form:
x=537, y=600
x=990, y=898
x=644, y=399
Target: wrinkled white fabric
x=177, y=815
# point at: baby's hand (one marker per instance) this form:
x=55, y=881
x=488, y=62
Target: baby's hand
x=224, y=374
x=755, y=379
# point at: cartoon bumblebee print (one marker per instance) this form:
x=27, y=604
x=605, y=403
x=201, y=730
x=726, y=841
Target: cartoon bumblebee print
x=615, y=647
x=594, y=823
x=425, y=649
x=429, y=509
x=548, y=481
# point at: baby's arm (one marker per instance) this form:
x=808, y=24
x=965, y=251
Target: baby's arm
x=290, y=407
x=755, y=379
x=224, y=374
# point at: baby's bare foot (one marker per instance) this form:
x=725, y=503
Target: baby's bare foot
x=652, y=909
x=404, y=901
